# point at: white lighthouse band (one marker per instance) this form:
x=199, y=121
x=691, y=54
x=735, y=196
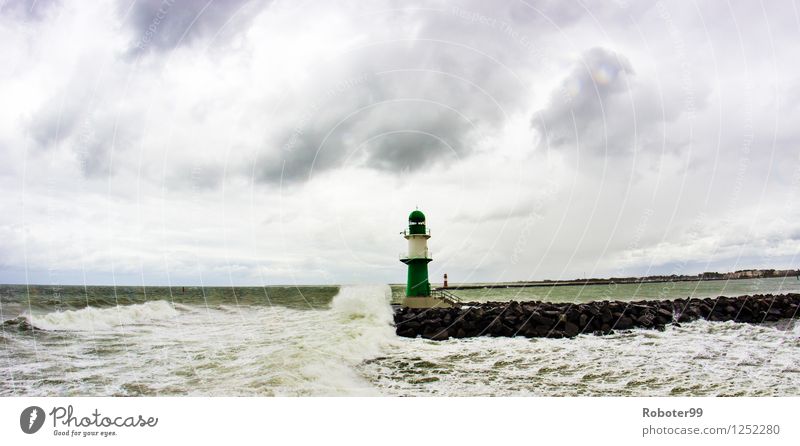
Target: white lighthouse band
x=418, y=246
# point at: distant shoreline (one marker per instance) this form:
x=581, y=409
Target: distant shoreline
x=703, y=277
x=589, y=282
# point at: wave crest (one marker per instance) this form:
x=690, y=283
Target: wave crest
x=89, y=319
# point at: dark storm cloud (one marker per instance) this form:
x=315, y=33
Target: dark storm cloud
x=79, y=121
x=420, y=101
x=397, y=137
x=51, y=124
x=589, y=100
x=397, y=122
x=477, y=55
x=98, y=141
x=602, y=107
x=59, y=116
x=408, y=150
x=162, y=25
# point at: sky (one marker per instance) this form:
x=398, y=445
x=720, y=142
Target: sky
x=177, y=142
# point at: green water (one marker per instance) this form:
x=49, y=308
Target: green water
x=663, y=290
x=18, y=298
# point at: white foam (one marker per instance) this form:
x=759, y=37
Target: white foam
x=698, y=358
x=89, y=318
x=283, y=351
x=360, y=327
x=369, y=302
x=364, y=318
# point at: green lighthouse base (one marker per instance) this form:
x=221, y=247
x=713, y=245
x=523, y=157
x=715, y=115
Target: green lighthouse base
x=425, y=302
x=417, y=284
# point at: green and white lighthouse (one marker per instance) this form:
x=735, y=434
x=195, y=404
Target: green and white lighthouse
x=418, y=288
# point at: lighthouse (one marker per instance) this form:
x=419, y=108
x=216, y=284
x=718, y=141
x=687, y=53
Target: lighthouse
x=418, y=288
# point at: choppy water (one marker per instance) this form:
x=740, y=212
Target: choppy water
x=629, y=291
x=331, y=341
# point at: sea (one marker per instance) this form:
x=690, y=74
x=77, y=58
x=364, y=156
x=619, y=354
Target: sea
x=339, y=341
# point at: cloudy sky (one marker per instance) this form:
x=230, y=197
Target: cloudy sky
x=256, y=142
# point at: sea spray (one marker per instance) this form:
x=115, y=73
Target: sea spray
x=366, y=319
x=364, y=301
x=357, y=327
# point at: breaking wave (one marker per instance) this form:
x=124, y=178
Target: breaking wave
x=91, y=319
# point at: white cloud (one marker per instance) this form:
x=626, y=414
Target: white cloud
x=273, y=143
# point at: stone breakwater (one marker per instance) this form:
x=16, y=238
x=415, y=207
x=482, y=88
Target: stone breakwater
x=566, y=320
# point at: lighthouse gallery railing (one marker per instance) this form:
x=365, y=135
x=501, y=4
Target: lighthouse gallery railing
x=406, y=232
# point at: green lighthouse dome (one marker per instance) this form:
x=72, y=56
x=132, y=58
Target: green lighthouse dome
x=416, y=222
x=416, y=216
